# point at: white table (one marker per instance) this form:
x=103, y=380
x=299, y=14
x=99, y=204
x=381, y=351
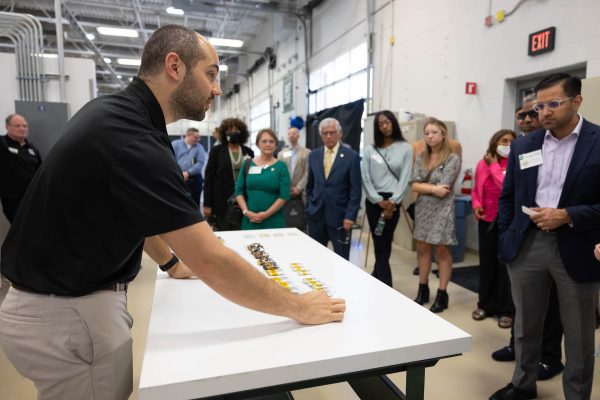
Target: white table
x=202, y=346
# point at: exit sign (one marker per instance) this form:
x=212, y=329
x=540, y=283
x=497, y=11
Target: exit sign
x=542, y=41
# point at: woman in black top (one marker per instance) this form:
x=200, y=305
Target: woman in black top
x=225, y=161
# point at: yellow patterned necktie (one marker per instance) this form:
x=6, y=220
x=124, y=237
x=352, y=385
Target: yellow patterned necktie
x=328, y=162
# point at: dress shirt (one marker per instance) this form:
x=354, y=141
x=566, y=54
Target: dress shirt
x=556, y=156
x=333, y=154
x=190, y=158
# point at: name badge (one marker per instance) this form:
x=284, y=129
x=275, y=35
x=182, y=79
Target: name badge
x=31, y=152
x=532, y=159
x=13, y=150
x=287, y=154
x=377, y=158
x=255, y=170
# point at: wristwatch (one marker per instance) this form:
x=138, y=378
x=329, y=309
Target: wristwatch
x=244, y=212
x=165, y=267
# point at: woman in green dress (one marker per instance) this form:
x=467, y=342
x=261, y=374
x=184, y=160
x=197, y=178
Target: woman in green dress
x=264, y=189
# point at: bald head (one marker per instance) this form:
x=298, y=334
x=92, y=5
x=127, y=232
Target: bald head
x=17, y=128
x=293, y=135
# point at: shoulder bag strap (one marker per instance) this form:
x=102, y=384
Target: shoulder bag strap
x=386, y=163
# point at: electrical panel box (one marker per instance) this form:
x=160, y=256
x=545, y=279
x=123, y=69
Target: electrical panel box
x=46, y=122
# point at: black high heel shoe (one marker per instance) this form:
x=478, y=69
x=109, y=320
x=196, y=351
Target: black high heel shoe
x=423, y=294
x=441, y=302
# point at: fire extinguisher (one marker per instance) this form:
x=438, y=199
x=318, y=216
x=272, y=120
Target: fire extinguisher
x=467, y=182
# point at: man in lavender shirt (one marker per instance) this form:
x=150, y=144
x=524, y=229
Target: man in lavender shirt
x=549, y=220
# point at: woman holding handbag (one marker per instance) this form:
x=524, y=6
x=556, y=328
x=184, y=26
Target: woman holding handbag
x=494, y=288
x=434, y=174
x=385, y=169
x=222, y=169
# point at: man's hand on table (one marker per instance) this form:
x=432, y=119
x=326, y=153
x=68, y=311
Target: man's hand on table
x=317, y=307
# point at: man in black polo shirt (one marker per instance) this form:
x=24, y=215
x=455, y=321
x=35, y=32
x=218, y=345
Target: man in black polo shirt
x=19, y=159
x=111, y=181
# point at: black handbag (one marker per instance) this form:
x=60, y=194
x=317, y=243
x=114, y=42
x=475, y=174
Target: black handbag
x=295, y=216
x=234, y=214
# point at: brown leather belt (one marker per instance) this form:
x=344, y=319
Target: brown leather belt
x=113, y=287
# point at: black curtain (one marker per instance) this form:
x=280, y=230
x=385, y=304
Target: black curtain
x=348, y=115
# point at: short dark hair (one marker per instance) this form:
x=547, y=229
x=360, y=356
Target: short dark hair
x=396, y=132
x=269, y=132
x=192, y=130
x=493, y=145
x=170, y=38
x=571, y=84
x=229, y=123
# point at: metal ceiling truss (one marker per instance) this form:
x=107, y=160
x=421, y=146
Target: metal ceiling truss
x=239, y=19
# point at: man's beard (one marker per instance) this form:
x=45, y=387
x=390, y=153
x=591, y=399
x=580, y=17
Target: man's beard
x=186, y=101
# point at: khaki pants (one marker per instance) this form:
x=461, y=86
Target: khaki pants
x=70, y=347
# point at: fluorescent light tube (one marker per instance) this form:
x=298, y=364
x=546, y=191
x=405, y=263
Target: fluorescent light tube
x=135, y=62
x=226, y=42
x=109, y=31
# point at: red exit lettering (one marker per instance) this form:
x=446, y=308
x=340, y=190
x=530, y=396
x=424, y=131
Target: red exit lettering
x=540, y=41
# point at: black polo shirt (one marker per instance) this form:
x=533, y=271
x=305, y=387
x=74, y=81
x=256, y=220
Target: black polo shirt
x=109, y=182
x=17, y=167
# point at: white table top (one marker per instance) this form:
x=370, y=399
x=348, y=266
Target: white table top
x=200, y=344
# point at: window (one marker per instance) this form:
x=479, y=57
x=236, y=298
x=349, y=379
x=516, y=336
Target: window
x=340, y=81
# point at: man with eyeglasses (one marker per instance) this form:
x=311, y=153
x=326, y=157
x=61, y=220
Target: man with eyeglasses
x=333, y=189
x=551, y=358
x=549, y=220
x=527, y=117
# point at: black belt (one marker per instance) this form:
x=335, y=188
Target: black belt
x=112, y=287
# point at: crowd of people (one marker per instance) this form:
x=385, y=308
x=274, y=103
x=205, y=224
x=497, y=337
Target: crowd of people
x=535, y=200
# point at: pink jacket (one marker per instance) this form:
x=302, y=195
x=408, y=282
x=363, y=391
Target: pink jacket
x=482, y=171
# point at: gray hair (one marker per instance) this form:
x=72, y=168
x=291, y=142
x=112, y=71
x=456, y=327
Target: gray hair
x=530, y=98
x=328, y=121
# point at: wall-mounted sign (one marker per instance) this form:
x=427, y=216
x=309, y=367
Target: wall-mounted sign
x=542, y=41
x=288, y=93
x=471, y=88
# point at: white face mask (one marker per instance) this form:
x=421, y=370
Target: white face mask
x=503, y=151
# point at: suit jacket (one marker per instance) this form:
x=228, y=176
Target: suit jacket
x=337, y=197
x=218, y=178
x=300, y=175
x=580, y=197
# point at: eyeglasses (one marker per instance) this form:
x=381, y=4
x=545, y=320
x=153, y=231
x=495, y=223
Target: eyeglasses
x=539, y=107
x=531, y=113
x=343, y=236
x=328, y=133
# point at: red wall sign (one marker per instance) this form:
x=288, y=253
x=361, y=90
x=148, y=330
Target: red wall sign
x=542, y=41
x=471, y=88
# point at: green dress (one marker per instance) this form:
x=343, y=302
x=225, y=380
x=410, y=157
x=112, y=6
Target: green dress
x=262, y=190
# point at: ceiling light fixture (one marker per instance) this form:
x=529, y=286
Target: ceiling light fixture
x=223, y=68
x=134, y=62
x=226, y=42
x=175, y=11
x=123, y=32
x=46, y=55
x=90, y=36
x=107, y=60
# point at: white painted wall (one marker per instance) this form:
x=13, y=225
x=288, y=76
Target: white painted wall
x=78, y=89
x=440, y=45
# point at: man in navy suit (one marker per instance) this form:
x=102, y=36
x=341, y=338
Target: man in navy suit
x=333, y=189
x=549, y=222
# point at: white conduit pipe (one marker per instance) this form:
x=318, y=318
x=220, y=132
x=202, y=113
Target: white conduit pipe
x=25, y=31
